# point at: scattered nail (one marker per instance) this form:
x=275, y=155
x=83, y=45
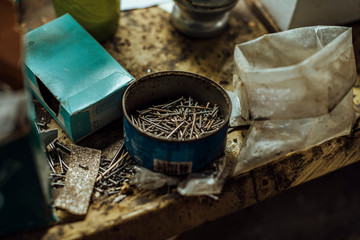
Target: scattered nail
x=83, y=166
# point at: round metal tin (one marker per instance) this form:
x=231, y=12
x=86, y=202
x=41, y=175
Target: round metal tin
x=174, y=157
x=201, y=18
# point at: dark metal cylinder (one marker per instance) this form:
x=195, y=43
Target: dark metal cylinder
x=175, y=157
x=200, y=18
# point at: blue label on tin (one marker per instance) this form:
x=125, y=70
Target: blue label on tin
x=173, y=157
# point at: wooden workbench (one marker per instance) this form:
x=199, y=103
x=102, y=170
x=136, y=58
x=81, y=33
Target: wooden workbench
x=146, y=42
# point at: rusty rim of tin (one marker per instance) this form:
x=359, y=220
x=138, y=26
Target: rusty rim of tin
x=179, y=73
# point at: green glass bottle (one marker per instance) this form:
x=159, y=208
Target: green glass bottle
x=99, y=17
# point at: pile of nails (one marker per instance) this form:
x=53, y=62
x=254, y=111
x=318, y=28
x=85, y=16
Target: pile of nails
x=57, y=163
x=114, y=173
x=182, y=119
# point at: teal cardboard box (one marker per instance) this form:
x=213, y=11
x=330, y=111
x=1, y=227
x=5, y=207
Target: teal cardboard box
x=25, y=193
x=74, y=77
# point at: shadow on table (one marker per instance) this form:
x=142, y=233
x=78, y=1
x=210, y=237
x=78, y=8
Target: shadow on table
x=325, y=208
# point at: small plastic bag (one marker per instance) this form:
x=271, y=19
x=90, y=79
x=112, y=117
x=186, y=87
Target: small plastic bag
x=299, y=73
x=295, y=89
x=268, y=140
x=207, y=182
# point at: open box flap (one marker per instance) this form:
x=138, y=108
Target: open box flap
x=67, y=60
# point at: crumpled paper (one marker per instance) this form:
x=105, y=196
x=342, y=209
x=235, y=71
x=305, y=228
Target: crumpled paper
x=295, y=89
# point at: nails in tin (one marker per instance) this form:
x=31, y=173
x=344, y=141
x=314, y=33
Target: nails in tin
x=180, y=119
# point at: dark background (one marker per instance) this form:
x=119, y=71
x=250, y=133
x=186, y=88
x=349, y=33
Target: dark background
x=325, y=208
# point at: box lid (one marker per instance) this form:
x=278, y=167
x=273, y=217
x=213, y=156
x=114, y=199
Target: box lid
x=70, y=62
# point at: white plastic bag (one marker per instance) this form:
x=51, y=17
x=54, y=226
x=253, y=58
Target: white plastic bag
x=298, y=73
x=268, y=140
x=295, y=89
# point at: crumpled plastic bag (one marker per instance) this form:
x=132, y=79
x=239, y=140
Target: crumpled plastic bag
x=295, y=89
x=204, y=183
x=298, y=73
x=271, y=139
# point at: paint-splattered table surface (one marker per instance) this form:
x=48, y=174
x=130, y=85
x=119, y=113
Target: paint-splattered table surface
x=146, y=42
